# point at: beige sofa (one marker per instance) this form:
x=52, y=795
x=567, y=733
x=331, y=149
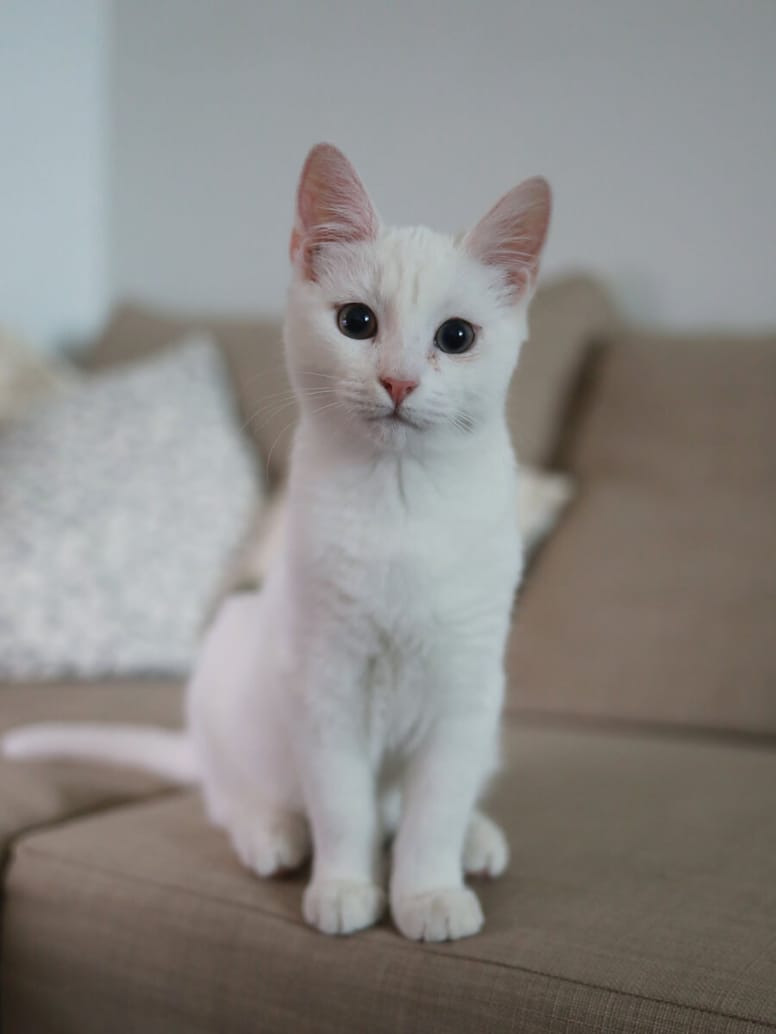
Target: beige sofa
x=639, y=784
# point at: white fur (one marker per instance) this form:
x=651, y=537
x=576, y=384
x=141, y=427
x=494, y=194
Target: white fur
x=358, y=695
x=168, y=754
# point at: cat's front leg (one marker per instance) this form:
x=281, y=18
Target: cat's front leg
x=429, y=899
x=346, y=892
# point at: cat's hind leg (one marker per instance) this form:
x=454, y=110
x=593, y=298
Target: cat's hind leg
x=485, y=848
x=269, y=841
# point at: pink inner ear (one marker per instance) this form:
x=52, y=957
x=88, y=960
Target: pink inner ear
x=512, y=234
x=332, y=205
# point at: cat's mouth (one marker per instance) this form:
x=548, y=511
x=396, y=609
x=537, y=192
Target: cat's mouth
x=396, y=416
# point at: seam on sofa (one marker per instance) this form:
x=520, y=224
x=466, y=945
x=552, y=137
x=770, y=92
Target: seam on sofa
x=163, y=885
x=519, y=716
x=61, y=822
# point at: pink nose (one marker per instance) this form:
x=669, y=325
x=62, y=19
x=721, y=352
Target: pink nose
x=398, y=390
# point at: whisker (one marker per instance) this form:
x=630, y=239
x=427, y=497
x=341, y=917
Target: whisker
x=282, y=401
x=278, y=436
x=262, y=414
x=317, y=373
x=329, y=405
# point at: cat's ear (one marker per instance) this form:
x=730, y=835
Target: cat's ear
x=512, y=234
x=332, y=205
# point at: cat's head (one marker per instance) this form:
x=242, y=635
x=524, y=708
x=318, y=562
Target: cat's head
x=401, y=335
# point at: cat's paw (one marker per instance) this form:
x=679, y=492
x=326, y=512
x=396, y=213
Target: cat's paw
x=438, y=915
x=485, y=850
x=342, y=906
x=269, y=847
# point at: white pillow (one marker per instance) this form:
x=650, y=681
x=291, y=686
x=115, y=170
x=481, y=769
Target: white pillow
x=120, y=505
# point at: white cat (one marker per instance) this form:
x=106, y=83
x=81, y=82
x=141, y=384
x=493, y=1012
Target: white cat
x=358, y=695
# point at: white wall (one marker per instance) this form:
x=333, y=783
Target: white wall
x=53, y=164
x=151, y=147
x=656, y=123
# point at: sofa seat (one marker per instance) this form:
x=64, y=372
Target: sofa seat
x=36, y=795
x=641, y=897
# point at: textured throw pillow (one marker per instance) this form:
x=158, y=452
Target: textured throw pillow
x=121, y=503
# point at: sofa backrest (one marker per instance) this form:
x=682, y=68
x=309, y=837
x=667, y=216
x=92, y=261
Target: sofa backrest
x=656, y=598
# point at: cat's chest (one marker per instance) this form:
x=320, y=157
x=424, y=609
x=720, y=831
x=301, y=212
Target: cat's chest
x=400, y=701
x=404, y=579
x=409, y=567
x=428, y=573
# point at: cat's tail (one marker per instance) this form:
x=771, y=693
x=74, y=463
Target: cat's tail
x=164, y=752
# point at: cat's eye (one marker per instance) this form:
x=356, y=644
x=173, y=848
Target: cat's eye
x=455, y=336
x=357, y=320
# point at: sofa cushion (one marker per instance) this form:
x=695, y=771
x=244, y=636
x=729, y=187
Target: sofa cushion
x=654, y=600
x=40, y=793
x=640, y=898
x=566, y=317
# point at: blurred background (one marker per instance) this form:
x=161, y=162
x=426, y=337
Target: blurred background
x=150, y=148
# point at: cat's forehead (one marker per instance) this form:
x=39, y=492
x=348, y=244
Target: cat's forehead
x=408, y=270
x=415, y=268
x=411, y=259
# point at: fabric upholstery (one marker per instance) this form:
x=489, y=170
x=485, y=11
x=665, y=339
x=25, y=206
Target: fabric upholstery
x=41, y=793
x=655, y=599
x=566, y=317
x=640, y=899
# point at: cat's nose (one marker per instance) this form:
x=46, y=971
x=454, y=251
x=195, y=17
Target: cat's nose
x=398, y=390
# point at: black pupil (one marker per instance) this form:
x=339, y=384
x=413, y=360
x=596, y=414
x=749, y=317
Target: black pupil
x=455, y=336
x=357, y=320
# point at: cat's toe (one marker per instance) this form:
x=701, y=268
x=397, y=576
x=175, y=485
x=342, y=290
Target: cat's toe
x=439, y=915
x=342, y=906
x=274, y=847
x=486, y=851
